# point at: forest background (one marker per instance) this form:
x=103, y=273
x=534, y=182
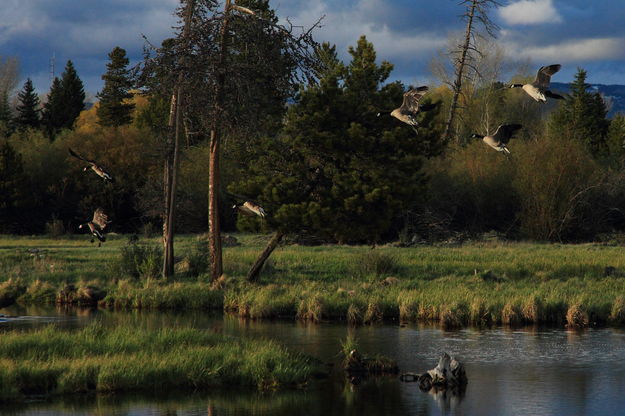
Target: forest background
x=319, y=159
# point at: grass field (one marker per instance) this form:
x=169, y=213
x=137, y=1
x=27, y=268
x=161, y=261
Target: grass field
x=49, y=361
x=476, y=283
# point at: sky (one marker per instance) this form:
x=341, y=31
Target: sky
x=408, y=33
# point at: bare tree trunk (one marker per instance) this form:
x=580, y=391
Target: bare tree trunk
x=254, y=272
x=460, y=72
x=214, y=232
x=171, y=161
x=168, y=243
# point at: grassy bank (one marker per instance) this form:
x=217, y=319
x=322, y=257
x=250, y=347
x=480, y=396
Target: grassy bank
x=475, y=283
x=52, y=361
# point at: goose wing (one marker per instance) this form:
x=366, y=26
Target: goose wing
x=255, y=208
x=505, y=131
x=543, y=76
x=77, y=156
x=411, y=100
x=100, y=218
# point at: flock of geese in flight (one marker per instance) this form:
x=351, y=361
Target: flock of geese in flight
x=406, y=113
x=538, y=90
x=100, y=219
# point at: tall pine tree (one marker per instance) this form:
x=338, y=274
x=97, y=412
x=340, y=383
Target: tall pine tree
x=582, y=116
x=336, y=170
x=28, y=107
x=53, y=115
x=73, y=96
x=114, y=109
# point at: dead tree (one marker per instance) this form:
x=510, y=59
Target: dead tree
x=476, y=10
x=221, y=56
x=254, y=271
x=299, y=49
x=170, y=171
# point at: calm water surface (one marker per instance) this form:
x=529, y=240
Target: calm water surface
x=527, y=371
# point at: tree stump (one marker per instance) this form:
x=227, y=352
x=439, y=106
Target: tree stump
x=449, y=373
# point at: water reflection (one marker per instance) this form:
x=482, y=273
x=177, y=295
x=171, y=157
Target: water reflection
x=518, y=371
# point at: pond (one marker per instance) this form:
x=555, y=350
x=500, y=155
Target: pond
x=526, y=371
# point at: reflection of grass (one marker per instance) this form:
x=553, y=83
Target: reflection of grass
x=171, y=402
x=478, y=283
x=50, y=360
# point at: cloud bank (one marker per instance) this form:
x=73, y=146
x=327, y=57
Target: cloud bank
x=530, y=12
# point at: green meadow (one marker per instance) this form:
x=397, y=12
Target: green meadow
x=476, y=283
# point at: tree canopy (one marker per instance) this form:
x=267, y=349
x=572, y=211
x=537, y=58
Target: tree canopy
x=27, y=108
x=336, y=170
x=114, y=108
x=73, y=94
x=582, y=116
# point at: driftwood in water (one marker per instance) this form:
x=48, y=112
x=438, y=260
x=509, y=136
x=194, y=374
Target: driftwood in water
x=449, y=373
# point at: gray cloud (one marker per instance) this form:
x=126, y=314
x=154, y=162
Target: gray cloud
x=406, y=32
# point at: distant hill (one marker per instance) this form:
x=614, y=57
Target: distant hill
x=614, y=95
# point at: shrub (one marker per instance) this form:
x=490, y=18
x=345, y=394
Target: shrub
x=374, y=263
x=199, y=258
x=461, y=190
x=140, y=260
x=552, y=202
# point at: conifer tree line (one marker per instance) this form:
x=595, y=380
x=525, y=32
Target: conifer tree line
x=299, y=133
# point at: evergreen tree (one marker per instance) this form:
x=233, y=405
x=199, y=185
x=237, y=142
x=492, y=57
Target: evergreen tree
x=336, y=170
x=53, y=117
x=114, y=110
x=27, y=108
x=582, y=116
x=73, y=96
x=616, y=136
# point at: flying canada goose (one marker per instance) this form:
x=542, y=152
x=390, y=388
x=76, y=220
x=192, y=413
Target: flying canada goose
x=249, y=208
x=409, y=108
x=99, y=170
x=501, y=137
x=539, y=89
x=97, y=225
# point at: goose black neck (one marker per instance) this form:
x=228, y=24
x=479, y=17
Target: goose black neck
x=516, y=85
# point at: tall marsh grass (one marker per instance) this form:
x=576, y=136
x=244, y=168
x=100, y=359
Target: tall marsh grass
x=374, y=263
x=54, y=361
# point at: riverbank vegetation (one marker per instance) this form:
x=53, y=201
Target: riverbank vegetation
x=482, y=282
x=50, y=360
